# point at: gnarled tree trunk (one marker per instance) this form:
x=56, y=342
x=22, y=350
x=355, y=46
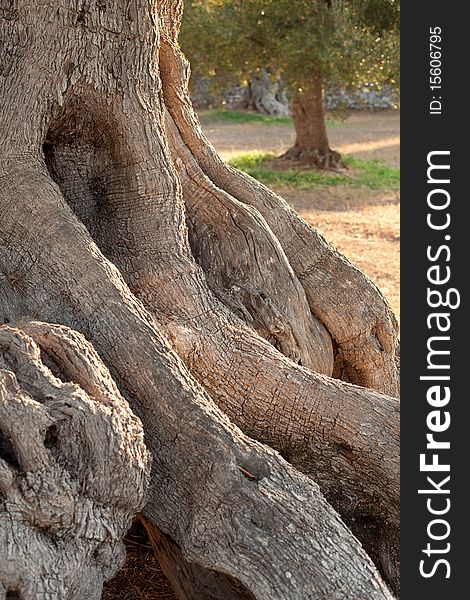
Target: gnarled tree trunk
x=73, y=465
x=220, y=314
x=262, y=95
x=311, y=137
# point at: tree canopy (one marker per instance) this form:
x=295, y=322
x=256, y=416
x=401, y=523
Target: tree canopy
x=348, y=42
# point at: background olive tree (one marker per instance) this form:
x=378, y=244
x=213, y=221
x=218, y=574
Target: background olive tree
x=310, y=43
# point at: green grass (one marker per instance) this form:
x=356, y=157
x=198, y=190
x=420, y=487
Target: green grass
x=243, y=116
x=369, y=173
x=374, y=174
x=224, y=115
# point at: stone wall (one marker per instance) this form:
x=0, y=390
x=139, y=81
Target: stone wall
x=367, y=97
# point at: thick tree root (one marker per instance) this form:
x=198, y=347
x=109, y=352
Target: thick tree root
x=173, y=407
x=319, y=159
x=246, y=267
x=73, y=466
x=308, y=419
x=357, y=316
x=345, y=437
x=365, y=515
x=236, y=487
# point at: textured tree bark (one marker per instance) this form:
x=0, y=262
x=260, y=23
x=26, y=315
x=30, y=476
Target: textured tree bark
x=73, y=466
x=262, y=95
x=362, y=325
x=215, y=308
x=311, y=141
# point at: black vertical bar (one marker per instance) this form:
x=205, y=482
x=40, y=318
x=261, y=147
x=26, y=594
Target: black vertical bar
x=427, y=128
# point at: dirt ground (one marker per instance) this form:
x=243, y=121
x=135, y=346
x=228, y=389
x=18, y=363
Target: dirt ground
x=362, y=223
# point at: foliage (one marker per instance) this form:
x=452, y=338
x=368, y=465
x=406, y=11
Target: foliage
x=344, y=42
x=369, y=173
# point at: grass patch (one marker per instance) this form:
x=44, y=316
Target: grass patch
x=369, y=173
x=224, y=115
x=374, y=174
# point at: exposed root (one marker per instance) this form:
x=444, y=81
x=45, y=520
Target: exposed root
x=73, y=465
x=356, y=314
x=246, y=267
x=293, y=410
x=301, y=157
x=304, y=415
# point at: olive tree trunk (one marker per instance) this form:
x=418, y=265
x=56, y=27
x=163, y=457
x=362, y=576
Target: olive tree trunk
x=262, y=95
x=311, y=137
x=230, y=326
